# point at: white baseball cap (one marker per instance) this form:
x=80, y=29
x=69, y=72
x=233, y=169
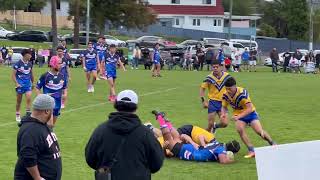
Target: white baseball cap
x=128, y=96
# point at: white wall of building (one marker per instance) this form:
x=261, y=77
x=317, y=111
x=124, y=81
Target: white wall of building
x=63, y=11
x=214, y=24
x=182, y=2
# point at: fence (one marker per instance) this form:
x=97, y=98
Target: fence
x=265, y=45
x=35, y=19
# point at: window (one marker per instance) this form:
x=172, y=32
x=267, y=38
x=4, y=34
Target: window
x=238, y=46
x=207, y=2
x=175, y=1
x=58, y=4
x=219, y=22
x=196, y=22
x=214, y=22
x=177, y=21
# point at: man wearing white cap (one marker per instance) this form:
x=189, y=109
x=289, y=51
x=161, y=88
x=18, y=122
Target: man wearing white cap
x=37, y=146
x=122, y=147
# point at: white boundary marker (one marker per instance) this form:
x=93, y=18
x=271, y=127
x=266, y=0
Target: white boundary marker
x=98, y=104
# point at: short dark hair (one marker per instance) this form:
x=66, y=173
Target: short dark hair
x=25, y=51
x=102, y=37
x=60, y=47
x=112, y=46
x=216, y=62
x=233, y=146
x=230, y=82
x=90, y=42
x=157, y=44
x=125, y=106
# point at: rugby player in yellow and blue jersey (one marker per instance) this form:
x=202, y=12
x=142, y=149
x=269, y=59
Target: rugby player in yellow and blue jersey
x=215, y=83
x=244, y=113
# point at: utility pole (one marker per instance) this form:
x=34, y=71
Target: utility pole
x=88, y=21
x=311, y=26
x=230, y=19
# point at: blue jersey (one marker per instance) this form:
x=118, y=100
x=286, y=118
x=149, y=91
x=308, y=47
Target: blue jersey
x=65, y=52
x=52, y=84
x=211, y=152
x=24, y=73
x=111, y=61
x=90, y=57
x=156, y=56
x=64, y=67
x=101, y=50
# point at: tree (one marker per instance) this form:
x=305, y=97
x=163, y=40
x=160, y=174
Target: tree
x=267, y=30
x=22, y=4
x=288, y=17
x=242, y=8
x=54, y=30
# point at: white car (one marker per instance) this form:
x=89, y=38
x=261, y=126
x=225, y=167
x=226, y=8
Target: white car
x=75, y=53
x=234, y=46
x=213, y=41
x=4, y=32
x=17, y=54
x=246, y=43
x=112, y=40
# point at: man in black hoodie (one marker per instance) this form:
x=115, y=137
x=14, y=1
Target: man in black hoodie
x=123, y=145
x=37, y=146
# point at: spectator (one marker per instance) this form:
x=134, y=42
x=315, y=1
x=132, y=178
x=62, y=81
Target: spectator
x=10, y=54
x=237, y=61
x=294, y=65
x=123, y=147
x=4, y=53
x=253, y=60
x=187, y=60
x=40, y=57
x=136, y=57
x=245, y=59
x=274, y=56
x=227, y=62
x=297, y=55
x=311, y=55
x=209, y=56
x=200, y=56
x=287, y=56
x=37, y=146
x=318, y=61
x=309, y=66
x=33, y=55
x=147, y=59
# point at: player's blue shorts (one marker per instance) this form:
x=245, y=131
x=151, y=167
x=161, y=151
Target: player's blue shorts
x=57, y=108
x=111, y=71
x=186, y=152
x=156, y=62
x=214, y=106
x=90, y=68
x=250, y=117
x=23, y=89
x=101, y=57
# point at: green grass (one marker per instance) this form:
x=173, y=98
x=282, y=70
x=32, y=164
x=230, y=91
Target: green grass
x=286, y=103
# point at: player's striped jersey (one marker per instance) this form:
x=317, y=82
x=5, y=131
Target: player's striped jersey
x=215, y=85
x=90, y=56
x=101, y=49
x=52, y=84
x=64, y=67
x=24, y=73
x=238, y=101
x=112, y=59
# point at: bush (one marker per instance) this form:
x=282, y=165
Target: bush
x=267, y=30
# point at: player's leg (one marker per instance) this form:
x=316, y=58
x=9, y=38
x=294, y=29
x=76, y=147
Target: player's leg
x=64, y=98
x=94, y=77
x=240, y=126
x=158, y=67
x=211, y=121
x=257, y=127
x=28, y=102
x=88, y=81
x=112, y=91
x=18, y=106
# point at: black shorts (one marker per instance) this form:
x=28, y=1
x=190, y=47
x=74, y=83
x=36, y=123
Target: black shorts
x=186, y=129
x=176, y=149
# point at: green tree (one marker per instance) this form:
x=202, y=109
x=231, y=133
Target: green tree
x=77, y=10
x=288, y=17
x=267, y=30
x=241, y=7
x=21, y=4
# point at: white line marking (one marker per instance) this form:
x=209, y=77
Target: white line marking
x=98, y=104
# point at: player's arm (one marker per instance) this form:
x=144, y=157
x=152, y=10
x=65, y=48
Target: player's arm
x=40, y=84
x=83, y=59
x=224, y=110
x=202, y=140
x=97, y=61
x=14, y=72
x=203, y=88
x=121, y=64
x=223, y=159
x=246, y=112
x=188, y=139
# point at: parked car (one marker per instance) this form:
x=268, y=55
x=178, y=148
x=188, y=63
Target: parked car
x=4, y=32
x=250, y=44
x=69, y=38
x=50, y=37
x=150, y=41
x=17, y=54
x=234, y=46
x=28, y=35
x=216, y=42
x=75, y=55
x=190, y=43
x=112, y=40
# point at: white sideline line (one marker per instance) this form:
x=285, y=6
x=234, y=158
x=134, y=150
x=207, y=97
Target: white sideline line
x=98, y=104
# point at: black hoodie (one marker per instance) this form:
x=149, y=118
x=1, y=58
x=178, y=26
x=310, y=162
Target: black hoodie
x=37, y=145
x=140, y=155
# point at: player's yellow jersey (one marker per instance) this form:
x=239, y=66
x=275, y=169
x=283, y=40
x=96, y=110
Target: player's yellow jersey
x=197, y=131
x=238, y=101
x=216, y=86
x=161, y=141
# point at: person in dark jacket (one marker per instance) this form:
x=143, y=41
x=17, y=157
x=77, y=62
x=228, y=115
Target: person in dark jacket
x=37, y=146
x=274, y=56
x=136, y=156
x=287, y=57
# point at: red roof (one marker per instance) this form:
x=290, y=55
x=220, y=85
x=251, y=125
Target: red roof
x=188, y=9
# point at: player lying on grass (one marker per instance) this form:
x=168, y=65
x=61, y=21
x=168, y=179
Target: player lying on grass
x=244, y=113
x=184, y=148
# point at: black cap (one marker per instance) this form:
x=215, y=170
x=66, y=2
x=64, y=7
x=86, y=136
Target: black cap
x=26, y=51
